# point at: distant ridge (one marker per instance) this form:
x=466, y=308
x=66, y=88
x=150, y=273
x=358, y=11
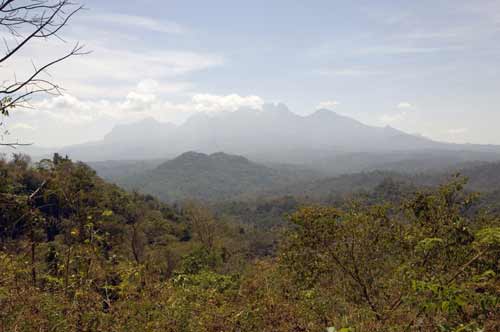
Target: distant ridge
x=323, y=139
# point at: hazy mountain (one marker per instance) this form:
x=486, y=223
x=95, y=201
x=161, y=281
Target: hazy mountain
x=324, y=140
x=214, y=177
x=148, y=130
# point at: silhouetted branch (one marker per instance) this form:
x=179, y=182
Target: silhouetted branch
x=14, y=145
x=42, y=19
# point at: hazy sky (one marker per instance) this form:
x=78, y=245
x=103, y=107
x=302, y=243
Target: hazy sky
x=428, y=67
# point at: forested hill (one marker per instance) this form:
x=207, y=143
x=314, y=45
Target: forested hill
x=481, y=176
x=214, y=177
x=222, y=177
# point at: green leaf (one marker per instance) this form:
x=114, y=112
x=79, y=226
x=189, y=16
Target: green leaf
x=107, y=213
x=429, y=244
x=488, y=237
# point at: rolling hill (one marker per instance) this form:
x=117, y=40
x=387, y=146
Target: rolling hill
x=214, y=177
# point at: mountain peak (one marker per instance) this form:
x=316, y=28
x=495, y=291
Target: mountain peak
x=199, y=157
x=228, y=157
x=147, y=127
x=191, y=155
x=325, y=116
x=323, y=112
x=273, y=134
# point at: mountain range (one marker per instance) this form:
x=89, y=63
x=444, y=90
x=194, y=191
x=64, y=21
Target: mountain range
x=324, y=140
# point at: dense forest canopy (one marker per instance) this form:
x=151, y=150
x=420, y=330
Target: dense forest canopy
x=81, y=254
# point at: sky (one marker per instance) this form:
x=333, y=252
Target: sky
x=425, y=67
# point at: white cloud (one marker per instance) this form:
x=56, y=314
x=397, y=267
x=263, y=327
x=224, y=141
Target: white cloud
x=68, y=119
x=213, y=103
x=430, y=35
x=109, y=65
x=402, y=50
x=388, y=119
x=457, y=131
x=405, y=105
x=347, y=72
x=68, y=109
x=404, y=109
x=329, y=104
x=142, y=102
x=142, y=22
x=110, y=71
x=388, y=46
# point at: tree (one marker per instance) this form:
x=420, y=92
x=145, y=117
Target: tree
x=430, y=264
x=202, y=223
x=23, y=22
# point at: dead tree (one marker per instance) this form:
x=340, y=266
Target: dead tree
x=24, y=21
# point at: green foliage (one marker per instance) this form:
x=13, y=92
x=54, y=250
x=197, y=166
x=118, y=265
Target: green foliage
x=199, y=260
x=79, y=254
x=211, y=178
x=489, y=238
x=426, y=258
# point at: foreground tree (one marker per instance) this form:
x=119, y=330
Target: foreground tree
x=431, y=266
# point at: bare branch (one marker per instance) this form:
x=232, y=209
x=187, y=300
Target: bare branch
x=44, y=19
x=25, y=21
x=77, y=50
x=15, y=145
